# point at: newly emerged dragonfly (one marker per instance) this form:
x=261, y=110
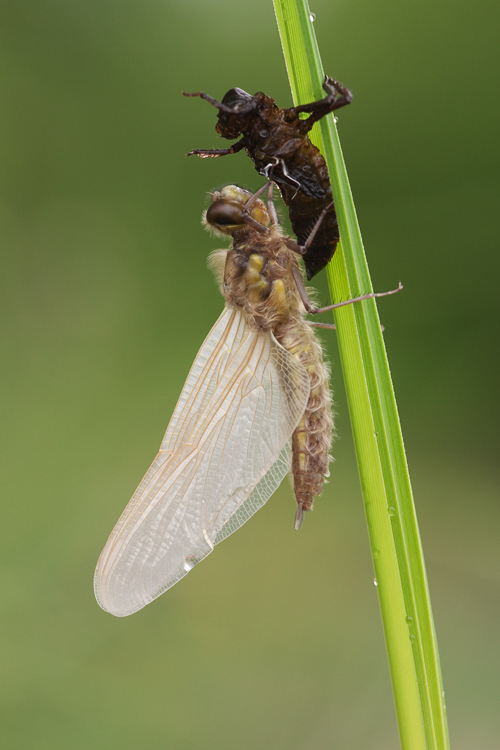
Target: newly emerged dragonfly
x=255, y=406
x=278, y=143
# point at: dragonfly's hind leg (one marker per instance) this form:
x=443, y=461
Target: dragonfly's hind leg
x=315, y=310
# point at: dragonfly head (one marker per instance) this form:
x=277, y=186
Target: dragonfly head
x=225, y=215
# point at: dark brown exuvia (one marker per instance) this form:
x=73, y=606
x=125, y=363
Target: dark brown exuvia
x=278, y=143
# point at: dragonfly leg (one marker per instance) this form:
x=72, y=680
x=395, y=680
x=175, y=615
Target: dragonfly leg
x=271, y=208
x=302, y=249
x=315, y=310
x=272, y=211
x=322, y=325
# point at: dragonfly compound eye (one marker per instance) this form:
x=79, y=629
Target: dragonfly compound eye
x=225, y=216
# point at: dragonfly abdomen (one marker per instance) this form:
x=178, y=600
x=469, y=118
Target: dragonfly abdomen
x=311, y=440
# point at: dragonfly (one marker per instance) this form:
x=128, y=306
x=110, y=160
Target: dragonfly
x=256, y=406
x=277, y=141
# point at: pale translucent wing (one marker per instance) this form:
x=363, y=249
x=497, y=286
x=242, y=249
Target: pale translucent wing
x=259, y=495
x=224, y=453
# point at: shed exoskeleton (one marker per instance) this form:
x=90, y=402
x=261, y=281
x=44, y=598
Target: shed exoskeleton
x=278, y=143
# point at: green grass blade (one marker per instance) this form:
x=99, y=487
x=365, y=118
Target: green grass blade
x=394, y=536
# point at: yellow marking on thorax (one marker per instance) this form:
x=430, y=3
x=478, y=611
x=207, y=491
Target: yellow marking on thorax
x=256, y=285
x=278, y=298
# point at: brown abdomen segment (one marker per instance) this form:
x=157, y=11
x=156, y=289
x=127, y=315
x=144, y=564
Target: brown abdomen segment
x=312, y=437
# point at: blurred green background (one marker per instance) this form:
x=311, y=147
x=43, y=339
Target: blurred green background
x=275, y=640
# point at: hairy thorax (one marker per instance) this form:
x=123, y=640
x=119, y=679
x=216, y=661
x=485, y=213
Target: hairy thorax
x=258, y=278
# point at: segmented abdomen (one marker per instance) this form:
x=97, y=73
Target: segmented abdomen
x=312, y=438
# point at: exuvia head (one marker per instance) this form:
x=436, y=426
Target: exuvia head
x=225, y=215
x=237, y=99
x=238, y=111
